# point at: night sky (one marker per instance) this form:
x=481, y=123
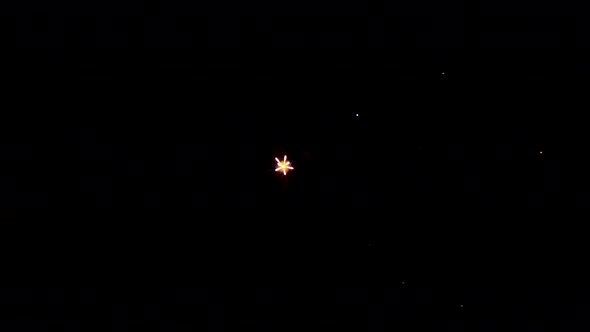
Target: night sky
x=424, y=141
x=400, y=307
x=391, y=113
x=187, y=105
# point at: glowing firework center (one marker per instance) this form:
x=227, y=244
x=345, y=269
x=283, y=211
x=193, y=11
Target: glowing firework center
x=283, y=166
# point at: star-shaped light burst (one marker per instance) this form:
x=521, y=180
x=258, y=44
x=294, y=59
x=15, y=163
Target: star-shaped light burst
x=283, y=166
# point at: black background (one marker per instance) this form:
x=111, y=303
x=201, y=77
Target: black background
x=420, y=139
x=186, y=104
x=350, y=309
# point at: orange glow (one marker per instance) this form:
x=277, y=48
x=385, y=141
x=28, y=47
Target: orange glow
x=283, y=166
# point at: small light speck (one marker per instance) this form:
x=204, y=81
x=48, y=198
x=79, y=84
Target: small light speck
x=357, y=114
x=403, y=282
x=540, y=152
x=461, y=306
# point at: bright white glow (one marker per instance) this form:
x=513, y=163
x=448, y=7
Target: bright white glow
x=283, y=166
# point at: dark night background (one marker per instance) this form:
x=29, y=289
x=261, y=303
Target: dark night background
x=267, y=309
x=185, y=104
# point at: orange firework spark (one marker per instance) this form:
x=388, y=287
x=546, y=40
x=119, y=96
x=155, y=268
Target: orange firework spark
x=283, y=166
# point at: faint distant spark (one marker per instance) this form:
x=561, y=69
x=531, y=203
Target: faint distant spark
x=283, y=166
